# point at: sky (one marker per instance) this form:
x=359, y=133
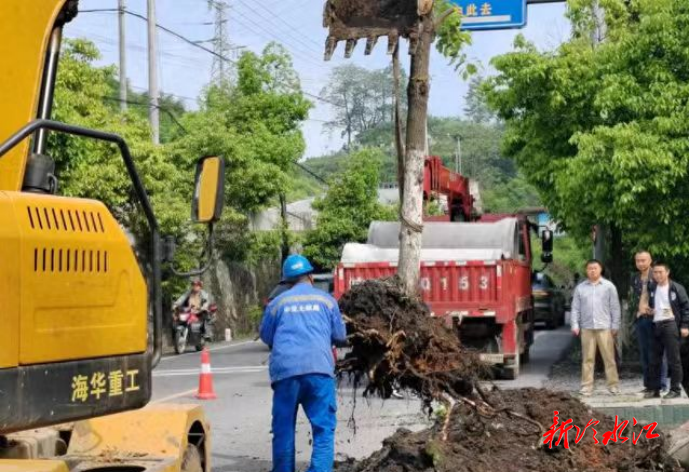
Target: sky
x=297, y=24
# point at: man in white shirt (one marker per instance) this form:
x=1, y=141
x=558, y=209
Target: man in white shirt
x=595, y=317
x=669, y=301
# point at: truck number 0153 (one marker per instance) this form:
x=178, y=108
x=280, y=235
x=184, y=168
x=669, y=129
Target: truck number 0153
x=463, y=283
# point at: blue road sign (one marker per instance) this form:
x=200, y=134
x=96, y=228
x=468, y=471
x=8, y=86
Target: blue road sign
x=492, y=14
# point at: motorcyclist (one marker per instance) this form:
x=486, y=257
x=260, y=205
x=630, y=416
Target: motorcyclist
x=197, y=301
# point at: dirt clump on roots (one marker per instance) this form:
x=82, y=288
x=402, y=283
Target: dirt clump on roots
x=507, y=435
x=396, y=344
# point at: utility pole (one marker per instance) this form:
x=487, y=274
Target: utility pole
x=458, y=156
x=154, y=115
x=285, y=243
x=598, y=34
x=123, y=61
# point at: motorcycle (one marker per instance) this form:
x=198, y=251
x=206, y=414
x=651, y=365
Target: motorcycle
x=189, y=328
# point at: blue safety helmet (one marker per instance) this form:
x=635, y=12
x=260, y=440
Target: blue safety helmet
x=296, y=266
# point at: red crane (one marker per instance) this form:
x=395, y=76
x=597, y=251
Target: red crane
x=439, y=180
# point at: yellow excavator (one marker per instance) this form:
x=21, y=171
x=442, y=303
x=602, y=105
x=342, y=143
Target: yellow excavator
x=76, y=351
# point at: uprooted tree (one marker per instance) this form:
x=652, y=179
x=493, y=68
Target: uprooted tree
x=421, y=22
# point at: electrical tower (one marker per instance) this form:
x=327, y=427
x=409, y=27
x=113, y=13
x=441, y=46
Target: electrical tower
x=220, y=70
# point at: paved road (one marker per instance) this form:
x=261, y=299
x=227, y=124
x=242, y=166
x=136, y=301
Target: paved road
x=240, y=417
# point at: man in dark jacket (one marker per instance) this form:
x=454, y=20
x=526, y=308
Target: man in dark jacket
x=642, y=316
x=669, y=301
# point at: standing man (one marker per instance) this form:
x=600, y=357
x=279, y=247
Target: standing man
x=669, y=301
x=596, y=316
x=300, y=326
x=643, y=316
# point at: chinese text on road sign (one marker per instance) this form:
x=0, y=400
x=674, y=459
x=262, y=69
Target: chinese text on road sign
x=492, y=14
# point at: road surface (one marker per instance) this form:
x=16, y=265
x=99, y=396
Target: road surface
x=241, y=416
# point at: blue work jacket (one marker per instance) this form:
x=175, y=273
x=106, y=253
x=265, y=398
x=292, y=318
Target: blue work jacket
x=300, y=326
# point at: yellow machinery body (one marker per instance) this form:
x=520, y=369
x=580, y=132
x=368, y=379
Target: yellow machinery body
x=71, y=287
x=74, y=345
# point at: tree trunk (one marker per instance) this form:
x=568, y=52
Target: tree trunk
x=411, y=210
x=617, y=260
x=397, y=119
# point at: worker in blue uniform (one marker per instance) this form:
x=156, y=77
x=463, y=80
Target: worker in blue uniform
x=300, y=326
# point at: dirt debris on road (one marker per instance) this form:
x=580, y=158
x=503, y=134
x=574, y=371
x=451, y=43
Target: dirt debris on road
x=485, y=438
x=396, y=344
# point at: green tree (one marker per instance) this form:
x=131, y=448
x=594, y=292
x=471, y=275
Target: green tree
x=347, y=209
x=94, y=169
x=254, y=124
x=602, y=131
x=362, y=99
x=476, y=108
x=171, y=107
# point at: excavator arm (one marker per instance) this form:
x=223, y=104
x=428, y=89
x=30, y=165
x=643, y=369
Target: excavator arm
x=29, y=52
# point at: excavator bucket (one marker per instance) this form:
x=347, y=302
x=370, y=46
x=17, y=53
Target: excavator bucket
x=352, y=20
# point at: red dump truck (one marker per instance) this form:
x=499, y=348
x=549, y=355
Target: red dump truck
x=474, y=274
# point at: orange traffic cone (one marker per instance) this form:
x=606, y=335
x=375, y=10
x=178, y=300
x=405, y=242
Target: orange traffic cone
x=205, y=378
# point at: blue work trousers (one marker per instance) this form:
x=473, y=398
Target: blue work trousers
x=316, y=394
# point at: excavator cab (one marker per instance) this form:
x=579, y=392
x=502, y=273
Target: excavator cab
x=76, y=306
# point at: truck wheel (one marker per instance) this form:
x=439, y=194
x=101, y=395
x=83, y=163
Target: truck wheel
x=191, y=461
x=511, y=372
x=552, y=322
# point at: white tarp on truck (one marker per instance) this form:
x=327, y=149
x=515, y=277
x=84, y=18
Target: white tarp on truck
x=441, y=241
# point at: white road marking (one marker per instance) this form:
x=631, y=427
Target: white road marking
x=174, y=396
x=195, y=371
x=216, y=348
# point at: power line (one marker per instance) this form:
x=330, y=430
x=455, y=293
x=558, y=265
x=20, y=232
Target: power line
x=163, y=28
x=196, y=45
x=272, y=37
x=186, y=131
x=310, y=172
x=187, y=40
x=290, y=27
x=159, y=107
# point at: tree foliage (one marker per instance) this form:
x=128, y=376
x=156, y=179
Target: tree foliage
x=362, y=99
x=89, y=168
x=602, y=131
x=347, y=209
x=254, y=124
x=476, y=108
x=503, y=188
